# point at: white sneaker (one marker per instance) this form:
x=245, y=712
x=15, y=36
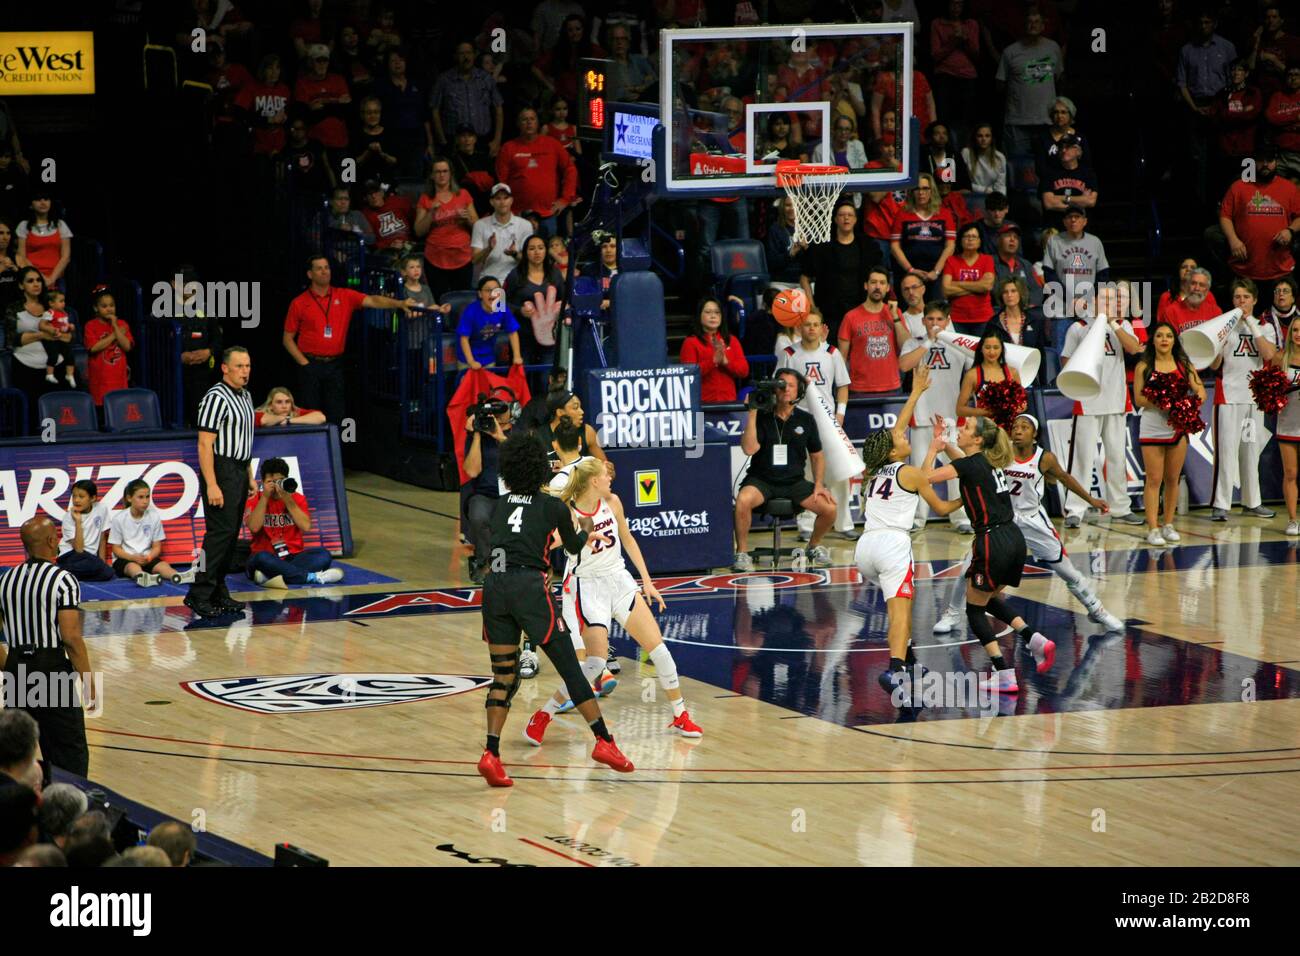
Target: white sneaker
x=804, y=535
x=820, y=557
x=146, y=580
x=184, y=577
x=259, y=577
x=950, y=620
x=1156, y=539
x=1169, y=534
x=528, y=665
x=1073, y=521
x=744, y=561
x=1293, y=528
x=1109, y=621
x=329, y=575
x=1001, y=682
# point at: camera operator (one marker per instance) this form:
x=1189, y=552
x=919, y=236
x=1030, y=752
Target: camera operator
x=278, y=517
x=780, y=439
x=488, y=426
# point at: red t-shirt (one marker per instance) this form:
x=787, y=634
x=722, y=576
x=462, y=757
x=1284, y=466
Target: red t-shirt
x=878, y=217
x=1283, y=112
x=970, y=309
x=1183, y=318
x=258, y=416
x=391, y=222
x=1259, y=211
x=107, y=368
x=265, y=101
x=920, y=91
x=278, y=524
x=1167, y=299
x=447, y=244
x=873, y=358
x=329, y=131
x=538, y=173
x=321, y=322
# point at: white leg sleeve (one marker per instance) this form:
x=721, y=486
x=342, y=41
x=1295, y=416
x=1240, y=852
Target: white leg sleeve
x=665, y=667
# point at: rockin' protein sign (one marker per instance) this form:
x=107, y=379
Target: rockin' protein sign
x=647, y=408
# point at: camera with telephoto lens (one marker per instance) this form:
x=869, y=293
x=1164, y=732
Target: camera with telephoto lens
x=765, y=393
x=287, y=485
x=486, y=412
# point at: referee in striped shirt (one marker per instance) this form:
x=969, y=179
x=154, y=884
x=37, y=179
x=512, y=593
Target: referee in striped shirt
x=225, y=423
x=42, y=646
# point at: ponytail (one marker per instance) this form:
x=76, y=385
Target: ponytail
x=994, y=442
x=580, y=478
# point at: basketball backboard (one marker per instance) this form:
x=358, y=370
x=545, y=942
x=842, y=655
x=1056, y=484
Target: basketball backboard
x=733, y=101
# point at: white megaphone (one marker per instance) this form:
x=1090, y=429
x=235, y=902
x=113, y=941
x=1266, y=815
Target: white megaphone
x=1024, y=360
x=842, y=458
x=1081, y=379
x=1204, y=342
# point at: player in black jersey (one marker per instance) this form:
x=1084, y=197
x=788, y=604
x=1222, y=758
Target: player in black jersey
x=998, y=554
x=516, y=598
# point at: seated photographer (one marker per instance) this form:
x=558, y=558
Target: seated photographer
x=488, y=426
x=278, y=517
x=780, y=439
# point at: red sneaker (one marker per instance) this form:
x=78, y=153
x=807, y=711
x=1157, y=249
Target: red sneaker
x=607, y=752
x=536, y=728
x=489, y=765
x=1049, y=656
x=685, y=726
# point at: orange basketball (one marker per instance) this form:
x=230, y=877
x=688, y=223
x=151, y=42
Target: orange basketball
x=790, y=307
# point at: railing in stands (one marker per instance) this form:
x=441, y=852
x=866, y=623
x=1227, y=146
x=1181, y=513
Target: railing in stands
x=670, y=272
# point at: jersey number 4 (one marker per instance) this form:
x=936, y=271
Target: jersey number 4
x=516, y=519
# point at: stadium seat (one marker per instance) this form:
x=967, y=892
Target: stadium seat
x=739, y=268
x=640, y=332
x=13, y=413
x=73, y=413
x=132, y=410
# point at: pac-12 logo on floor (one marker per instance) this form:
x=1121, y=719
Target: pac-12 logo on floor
x=299, y=693
x=647, y=488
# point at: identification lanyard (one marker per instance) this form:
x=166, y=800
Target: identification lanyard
x=325, y=310
x=780, y=451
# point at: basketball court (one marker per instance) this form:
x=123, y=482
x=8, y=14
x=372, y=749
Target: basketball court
x=1131, y=743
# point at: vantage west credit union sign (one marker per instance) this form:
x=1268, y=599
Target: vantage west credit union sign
x=47, y=63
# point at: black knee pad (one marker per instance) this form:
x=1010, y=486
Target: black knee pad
x=503, y=665
x=1000, y=609
x=560, y=652
x=979, y=623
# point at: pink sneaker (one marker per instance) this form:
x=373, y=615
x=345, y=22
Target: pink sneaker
x=1002, y=682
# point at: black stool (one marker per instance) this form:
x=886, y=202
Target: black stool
x=777, y=509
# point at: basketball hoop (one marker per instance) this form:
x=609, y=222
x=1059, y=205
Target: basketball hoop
x=813, y=189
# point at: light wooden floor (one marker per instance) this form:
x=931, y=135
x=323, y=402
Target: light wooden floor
x=1203, y=784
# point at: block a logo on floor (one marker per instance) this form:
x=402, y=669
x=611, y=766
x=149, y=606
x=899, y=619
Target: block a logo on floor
x=312, y=693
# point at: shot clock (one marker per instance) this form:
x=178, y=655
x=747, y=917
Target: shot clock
x=592, y=99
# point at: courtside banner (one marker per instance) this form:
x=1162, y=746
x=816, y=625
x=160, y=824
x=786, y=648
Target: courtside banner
x=47, y=63
x=678, y=504
x=37, y=478
x=646, y=407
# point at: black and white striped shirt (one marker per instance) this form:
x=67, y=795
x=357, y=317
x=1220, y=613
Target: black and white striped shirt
x=229, y=414
x=31, y=596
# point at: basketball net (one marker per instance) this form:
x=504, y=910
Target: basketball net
x=813, y=190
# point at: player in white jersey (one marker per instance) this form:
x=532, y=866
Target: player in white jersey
x=1031, y=468
x=1288, y=424
x=1238, y=423
x=822, y=367
x=1104, y=417
x=598, y=591
x=947, y=364
x=891, y=492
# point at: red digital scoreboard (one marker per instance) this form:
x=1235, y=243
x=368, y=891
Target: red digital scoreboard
x=592, y=98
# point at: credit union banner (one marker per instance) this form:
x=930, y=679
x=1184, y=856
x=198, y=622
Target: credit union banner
x=47, y=63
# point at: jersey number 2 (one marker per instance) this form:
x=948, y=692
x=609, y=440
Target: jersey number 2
x=516, y=519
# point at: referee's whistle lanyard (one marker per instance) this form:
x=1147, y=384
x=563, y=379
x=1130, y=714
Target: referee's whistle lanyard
x=325, y=310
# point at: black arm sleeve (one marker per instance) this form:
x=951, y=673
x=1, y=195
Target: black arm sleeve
x=573, y=540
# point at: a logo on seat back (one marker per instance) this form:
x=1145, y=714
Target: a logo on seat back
x=299, y=693
x=133, y=413
x=68, y=416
